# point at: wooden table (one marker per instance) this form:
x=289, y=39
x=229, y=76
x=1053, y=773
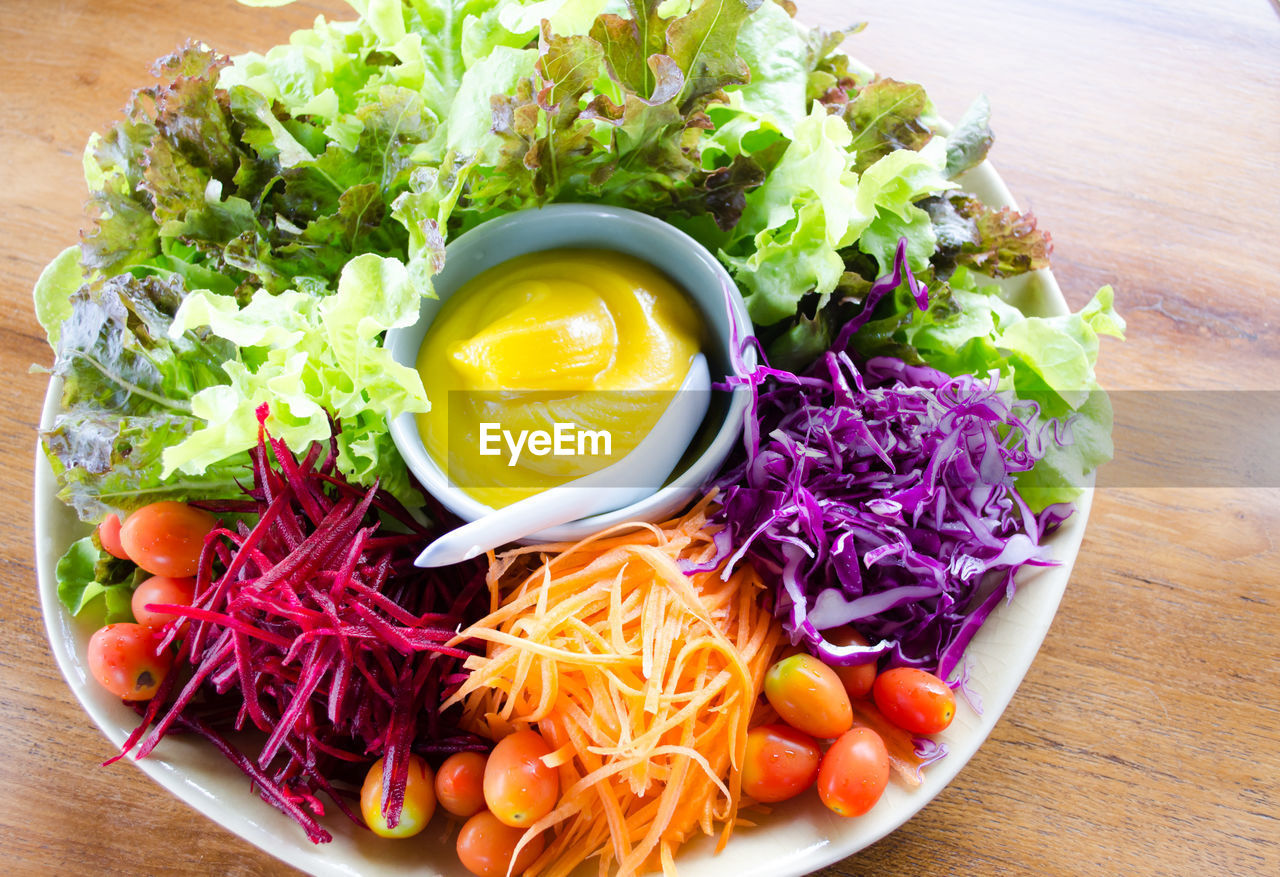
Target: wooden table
x=1146, y=137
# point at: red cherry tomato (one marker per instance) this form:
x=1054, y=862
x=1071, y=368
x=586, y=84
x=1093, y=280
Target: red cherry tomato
x=854, y=772
x=161, y=589
x=781, y=763
x=419, y=800
x=122, y=657
x=486, y=847
x=460, y=784
x=165, y=538
x=109, y=536
x=856, y=678
x=518, y=787
x=915, y=700
x=809, y=696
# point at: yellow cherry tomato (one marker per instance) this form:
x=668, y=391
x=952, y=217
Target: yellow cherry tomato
x=419, y=800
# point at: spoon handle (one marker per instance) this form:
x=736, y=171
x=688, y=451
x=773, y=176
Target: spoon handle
x=513, y=522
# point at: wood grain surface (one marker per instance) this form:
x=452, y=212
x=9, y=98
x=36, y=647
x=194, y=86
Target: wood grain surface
x=1146, y=136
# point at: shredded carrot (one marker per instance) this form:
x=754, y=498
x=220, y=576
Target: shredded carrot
x=642, y=678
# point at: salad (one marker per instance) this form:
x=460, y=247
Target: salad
x=257, y=224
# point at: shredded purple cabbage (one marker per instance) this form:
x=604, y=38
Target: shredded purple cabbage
x=882, y=497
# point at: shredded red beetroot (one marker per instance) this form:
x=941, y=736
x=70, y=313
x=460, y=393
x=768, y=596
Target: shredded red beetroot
x=313, y=626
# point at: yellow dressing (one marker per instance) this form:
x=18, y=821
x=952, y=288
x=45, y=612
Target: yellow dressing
x=593, y=338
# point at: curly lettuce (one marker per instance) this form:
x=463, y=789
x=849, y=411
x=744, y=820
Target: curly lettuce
x=258, y=223
x=310, y=361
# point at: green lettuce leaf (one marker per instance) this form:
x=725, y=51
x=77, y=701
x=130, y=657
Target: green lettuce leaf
x=887, y=116
x=307, y=359
x=1008, y=242
x=88, y=581
x=1061, y=352
x=781, y=56
x=813, y=205
x=127, y=390
x=971, y=139
x=53, y=290
x=224, y=187
x=999, y=242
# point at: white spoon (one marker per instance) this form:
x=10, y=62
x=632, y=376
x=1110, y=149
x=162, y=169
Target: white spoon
x=620, y=484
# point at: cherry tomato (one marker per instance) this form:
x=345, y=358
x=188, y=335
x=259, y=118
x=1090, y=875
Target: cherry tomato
x=854, y=772
x=109, y=536
x=419, y=800
x=781, y=763
x=915, y=700
x=165, y=538
x=518, y=787
x=161, y=589
x=122, y=657
x=460, y=783
x=856, y=678
x=809, y=696
x=486, y=847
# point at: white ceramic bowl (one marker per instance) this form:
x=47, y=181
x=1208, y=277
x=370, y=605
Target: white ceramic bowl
x=797, y=838
x=593, y=226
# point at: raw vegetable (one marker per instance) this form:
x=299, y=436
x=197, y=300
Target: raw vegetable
x=202, y=188
x=519, y=786
x=969, y=328
x=856, y=678
x=94, y=583
x=460, y=784
x=780, y=763
x=166, y=538
x=126, y=396
x=854, y=772
x=809, y=696
x=909, y=754
x=109, y=537
x=417, y=807
x=313, y=360
x=914, y=700
x=126, y=660
x=161, y=590
x=488, y=848
x=882, y=496
x=312, y=626
x=642, y=679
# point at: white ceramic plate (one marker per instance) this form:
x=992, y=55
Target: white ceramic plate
x=800, y=837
